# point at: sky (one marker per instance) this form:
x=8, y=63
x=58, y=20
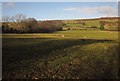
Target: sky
x=59, y=0
x=60, y=10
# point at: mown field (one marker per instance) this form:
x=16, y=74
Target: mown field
x=73, y=54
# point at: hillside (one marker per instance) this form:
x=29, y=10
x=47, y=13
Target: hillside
x=108, y=23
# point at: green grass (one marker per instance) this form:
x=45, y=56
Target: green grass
x=73, y=25
x=90, y=34
x=93, y=23
x=88, y=23
x=79, y=54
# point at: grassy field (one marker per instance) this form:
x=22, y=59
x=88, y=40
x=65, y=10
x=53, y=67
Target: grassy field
x=89, y=23
x=79, y=54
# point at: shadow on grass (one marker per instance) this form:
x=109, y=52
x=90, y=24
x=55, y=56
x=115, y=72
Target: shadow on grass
x=28, y=49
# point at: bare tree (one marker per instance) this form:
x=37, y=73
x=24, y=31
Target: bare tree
x=12, y=18
x=19, y=17
x=6, y=19
x=16, y=18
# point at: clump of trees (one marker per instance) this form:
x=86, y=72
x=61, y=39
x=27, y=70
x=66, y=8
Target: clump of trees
x=50, y=26
x=21, y=24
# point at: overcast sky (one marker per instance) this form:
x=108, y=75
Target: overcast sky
x=61, y=10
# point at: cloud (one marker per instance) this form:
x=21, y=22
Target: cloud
x=103, y=10
x=9, y=4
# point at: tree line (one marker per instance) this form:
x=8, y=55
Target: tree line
x=21, y=24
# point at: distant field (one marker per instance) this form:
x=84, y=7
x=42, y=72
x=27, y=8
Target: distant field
x=73, y=54
x=80, y=34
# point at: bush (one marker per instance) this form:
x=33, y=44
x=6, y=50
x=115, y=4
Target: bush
x=101, y=27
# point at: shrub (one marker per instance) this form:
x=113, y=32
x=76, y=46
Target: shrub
x=101, y=27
